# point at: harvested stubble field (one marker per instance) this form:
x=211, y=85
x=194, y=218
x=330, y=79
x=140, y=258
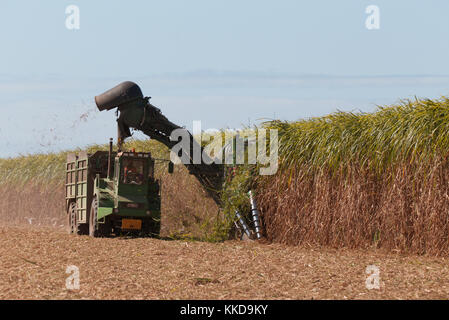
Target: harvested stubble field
x=34, y=260
x=352, y=190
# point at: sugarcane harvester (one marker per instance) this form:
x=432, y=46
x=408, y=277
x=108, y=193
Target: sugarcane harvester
x=135, y=111
x=111, y=192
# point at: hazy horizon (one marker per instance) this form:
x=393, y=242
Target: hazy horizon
x=228, y=64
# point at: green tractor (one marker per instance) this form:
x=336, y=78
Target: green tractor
x=112, y=193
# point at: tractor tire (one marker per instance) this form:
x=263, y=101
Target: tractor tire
x=156, y=228
x=97, y=229
x=151, y=228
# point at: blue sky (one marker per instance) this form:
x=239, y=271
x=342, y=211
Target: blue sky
x=226, y=63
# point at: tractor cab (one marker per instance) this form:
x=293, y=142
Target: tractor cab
x=133, y=169
x=136, y=191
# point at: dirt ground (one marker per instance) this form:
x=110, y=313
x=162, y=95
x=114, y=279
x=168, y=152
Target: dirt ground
x=33, y=265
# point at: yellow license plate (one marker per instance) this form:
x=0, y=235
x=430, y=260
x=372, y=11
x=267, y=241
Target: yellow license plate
x=131, y=224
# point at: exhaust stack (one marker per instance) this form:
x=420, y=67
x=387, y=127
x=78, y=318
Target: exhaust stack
x=110, y=159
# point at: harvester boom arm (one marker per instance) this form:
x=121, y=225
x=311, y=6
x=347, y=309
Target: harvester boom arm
x=137, y=112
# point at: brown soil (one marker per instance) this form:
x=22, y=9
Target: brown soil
x=34, y=260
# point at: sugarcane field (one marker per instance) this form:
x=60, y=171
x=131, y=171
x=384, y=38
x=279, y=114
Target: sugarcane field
x=223, y=158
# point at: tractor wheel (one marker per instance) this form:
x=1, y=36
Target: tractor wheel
x=156, y=228
x=151, y=228
x=71, y=215
x=97, y=229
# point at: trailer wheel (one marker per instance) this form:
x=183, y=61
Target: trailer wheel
x=74, y=227
x=71, y=215
x=97, y=229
